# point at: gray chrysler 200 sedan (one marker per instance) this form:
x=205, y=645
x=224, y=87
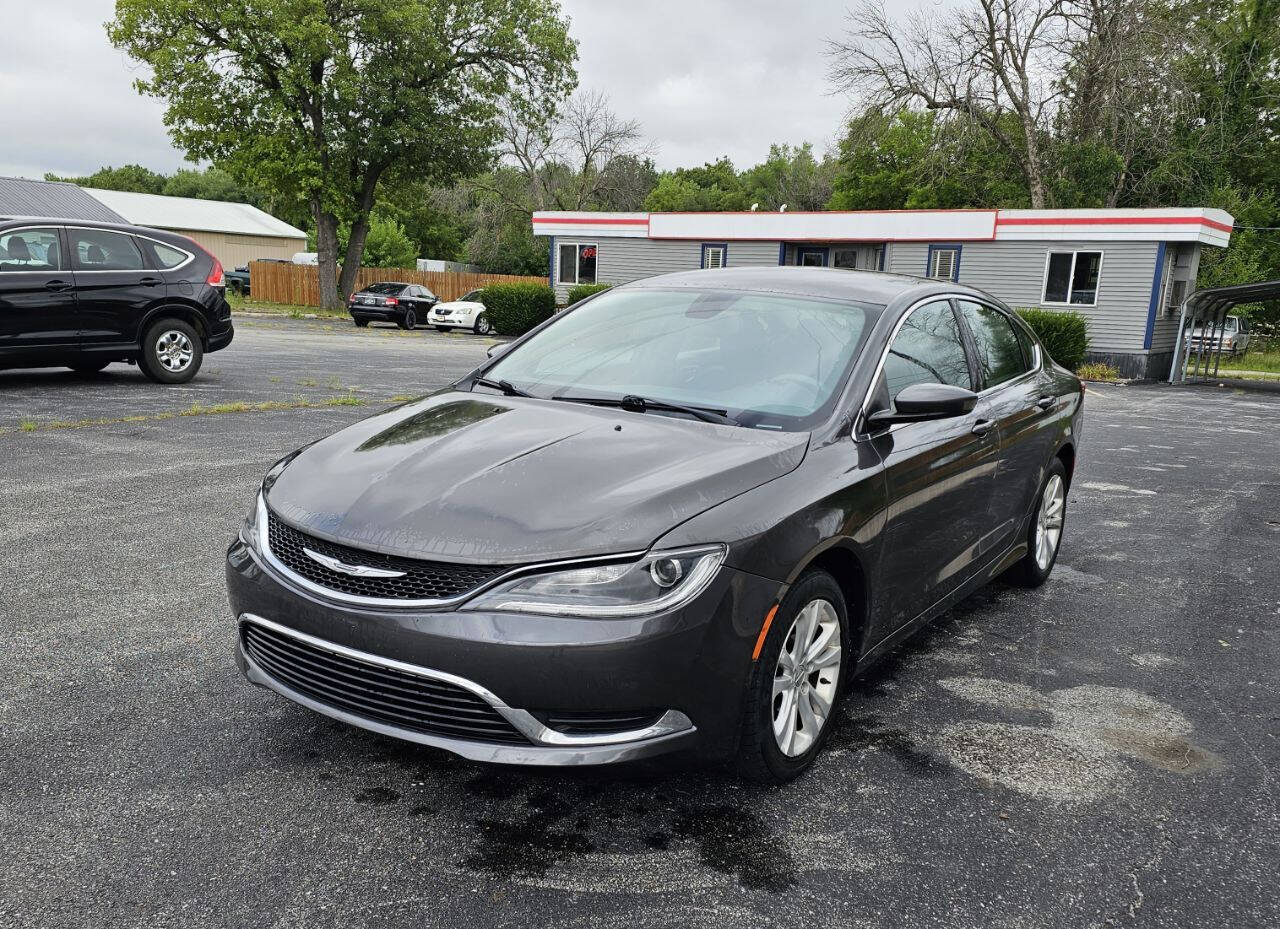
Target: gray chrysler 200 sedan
x=678, y=517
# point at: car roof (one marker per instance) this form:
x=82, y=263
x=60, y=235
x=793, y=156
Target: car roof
x=11, y=221
x=875, y=287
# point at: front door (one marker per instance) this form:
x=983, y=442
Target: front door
x=37, y=293
x=940, y=475
x=115, y=285
x=811, y=256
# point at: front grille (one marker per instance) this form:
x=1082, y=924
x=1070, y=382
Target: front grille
x=396, y=698
x=422, y=580
x=599, y=723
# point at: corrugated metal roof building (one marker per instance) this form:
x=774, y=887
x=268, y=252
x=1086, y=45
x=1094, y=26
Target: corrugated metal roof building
x=20, y=197
x=236, y=233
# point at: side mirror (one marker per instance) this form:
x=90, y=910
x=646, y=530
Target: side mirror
x=496, y=350
x=922, y=402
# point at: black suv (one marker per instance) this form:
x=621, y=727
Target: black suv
x=85, y=294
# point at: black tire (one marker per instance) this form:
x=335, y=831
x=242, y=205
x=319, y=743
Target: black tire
x=89, y=368
x=1028, y=572
x=408, y=320
x=760, y=758
x=482, y=326
x=155, y=366
x=360, y=323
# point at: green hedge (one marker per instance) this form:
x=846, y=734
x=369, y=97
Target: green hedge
x=582, y=291
x=514, y=309
x=1063, y=332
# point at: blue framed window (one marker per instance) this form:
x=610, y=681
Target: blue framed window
x=811, y=256
x=715, y=254
x=943, y=262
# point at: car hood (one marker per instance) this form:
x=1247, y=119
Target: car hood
x=457, y=305
x=506, y=480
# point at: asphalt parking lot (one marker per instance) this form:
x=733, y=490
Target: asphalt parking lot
x=1102, y=751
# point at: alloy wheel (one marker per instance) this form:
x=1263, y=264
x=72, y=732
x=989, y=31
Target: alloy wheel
x=482, y=325
x=174, y=351
x=806, y=677
x=1049, y=521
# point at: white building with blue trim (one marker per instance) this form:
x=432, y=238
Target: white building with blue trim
x=1126, y=271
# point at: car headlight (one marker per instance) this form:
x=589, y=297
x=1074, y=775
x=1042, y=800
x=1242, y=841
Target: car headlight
x=255, y=523
x=658, y=581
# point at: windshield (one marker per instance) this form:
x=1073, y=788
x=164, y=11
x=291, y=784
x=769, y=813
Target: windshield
x=384, y=288
x=769, y=360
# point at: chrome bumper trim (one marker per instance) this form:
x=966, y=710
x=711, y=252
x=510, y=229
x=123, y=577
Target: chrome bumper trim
x=549, y=747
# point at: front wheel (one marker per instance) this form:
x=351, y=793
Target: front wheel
x=409, y=320
x=1044, y=535
x=795, y=681
x=483, y=326
x=171, y=352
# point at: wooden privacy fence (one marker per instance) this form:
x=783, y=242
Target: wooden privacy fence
x=277, y=282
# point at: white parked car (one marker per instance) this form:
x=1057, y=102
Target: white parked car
x=467, y=312
x=1233, y=334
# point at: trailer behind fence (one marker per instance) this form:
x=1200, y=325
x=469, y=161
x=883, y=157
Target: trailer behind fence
x=276, y=282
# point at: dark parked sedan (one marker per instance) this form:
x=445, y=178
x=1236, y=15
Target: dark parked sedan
x=85, y=294
x=402, y=304
x=679, y=517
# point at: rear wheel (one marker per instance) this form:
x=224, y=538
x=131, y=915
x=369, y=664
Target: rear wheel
x=171, y=352
x=89, y=367
x=795, y=682
x=1044, y=535
x=483, y=326
x=361, y=323
x=408, y=320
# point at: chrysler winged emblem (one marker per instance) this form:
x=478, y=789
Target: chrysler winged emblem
x=357, y=570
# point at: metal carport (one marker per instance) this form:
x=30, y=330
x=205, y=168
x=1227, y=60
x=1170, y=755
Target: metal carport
x=1207, y=310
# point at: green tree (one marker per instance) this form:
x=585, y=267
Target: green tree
x=790, y=176
x=134, y=178
x=210, y=184
x=713, y=187
x=388, y=245
x=323, y=98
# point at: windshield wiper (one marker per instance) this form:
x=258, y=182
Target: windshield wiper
x=508, y=388
x=634, y=404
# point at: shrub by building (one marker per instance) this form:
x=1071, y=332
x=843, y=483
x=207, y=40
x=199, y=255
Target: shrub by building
x=1063, y=332
x=514, y=309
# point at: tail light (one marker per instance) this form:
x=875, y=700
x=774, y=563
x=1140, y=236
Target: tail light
x=215, y=278
x=392, y=301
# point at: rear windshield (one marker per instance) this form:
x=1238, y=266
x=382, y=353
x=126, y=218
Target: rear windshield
x=384, y=288
x=771, y=361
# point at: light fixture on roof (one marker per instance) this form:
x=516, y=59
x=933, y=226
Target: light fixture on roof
x=783, y=208
x=754, y=207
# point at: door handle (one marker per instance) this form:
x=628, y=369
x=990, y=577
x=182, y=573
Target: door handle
x=57, y=285
x=982, y=427
x=1046, y=403
x=150, y=281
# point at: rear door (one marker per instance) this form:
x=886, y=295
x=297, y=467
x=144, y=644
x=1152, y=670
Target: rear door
x=1019, y=398
x=115, y=285
x=939, y=475
x=37, y=293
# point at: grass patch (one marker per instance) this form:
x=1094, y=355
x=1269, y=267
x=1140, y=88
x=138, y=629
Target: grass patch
x=241, y=304
x=1253, y=361
x=1098, y=371
x=196, y=409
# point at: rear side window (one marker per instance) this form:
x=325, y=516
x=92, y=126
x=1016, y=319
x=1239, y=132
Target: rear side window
x=999, y=351
x=31, y=250
x=103, y=250
x=169, y=257
x=928, y=349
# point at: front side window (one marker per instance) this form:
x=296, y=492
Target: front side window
x=1072, y=277
x=577, y=263
x=31, y=250
x=103, y=250
x=770, y=361
x=944, y=263
x=1000, y=356
x=928, y=349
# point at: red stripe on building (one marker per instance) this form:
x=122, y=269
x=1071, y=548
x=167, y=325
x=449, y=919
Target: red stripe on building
x=584, y=220
x=1112, y=221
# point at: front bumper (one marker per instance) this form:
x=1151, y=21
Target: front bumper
x=691, y=664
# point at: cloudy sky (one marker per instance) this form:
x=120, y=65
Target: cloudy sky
x=704, y=77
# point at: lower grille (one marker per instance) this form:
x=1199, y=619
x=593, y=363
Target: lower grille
x=395, y=698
